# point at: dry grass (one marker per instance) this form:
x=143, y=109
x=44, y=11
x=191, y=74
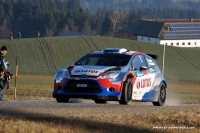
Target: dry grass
x=34, y=87
x=184, y=92
x=55, y=121
x=56, y=126
x=31, y=87
x=189, y=119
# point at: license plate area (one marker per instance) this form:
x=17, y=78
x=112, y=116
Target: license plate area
x=81, y=85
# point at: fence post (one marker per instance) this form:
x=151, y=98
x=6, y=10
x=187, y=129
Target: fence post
x=15, y=89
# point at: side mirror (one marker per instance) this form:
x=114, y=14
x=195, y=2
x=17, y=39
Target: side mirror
x=143, y=68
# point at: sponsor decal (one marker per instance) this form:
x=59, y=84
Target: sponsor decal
x=135, y=92
x=89, y=70
x=138, y=73
x=86, y=71
x=143, y=83
x=151, y=69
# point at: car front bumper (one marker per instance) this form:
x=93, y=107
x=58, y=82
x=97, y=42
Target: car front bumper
x=96, y=89
x=87, y=96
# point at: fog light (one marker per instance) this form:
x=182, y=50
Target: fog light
x=59, y=87
x=111, y=89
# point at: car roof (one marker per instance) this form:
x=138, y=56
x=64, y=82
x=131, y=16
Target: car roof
x=116, y=51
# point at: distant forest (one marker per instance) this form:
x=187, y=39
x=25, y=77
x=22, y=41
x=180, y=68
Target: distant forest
x=93, y=5
x=105, y=17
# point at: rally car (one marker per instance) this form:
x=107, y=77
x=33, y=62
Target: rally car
x=112, y=74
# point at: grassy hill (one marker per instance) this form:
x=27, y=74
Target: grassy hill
x=44, y=56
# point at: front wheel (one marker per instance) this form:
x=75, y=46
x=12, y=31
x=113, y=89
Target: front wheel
x=126, y=92
x=62, y=100
x=161, y=96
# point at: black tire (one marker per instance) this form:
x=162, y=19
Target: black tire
x=62, y=100
x=126, y=92
x=161, y=96
x=99, y=101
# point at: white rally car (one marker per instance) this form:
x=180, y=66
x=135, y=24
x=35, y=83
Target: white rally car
x=113, y=74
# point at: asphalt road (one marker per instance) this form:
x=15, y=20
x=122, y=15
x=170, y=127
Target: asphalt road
x=83, y=103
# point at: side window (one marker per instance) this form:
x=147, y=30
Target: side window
x=150, y=62
x=138, y=61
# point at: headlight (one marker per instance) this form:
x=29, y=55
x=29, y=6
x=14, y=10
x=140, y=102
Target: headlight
x=60, y=75
x=66, y=74
x=110, y=75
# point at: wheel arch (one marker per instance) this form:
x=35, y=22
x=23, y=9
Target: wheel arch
x=128, y=75
x=165, y=83
x=159, y=79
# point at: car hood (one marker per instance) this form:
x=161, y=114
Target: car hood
x=91, y=70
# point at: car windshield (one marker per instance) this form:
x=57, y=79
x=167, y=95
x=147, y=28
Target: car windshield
x=104, y=60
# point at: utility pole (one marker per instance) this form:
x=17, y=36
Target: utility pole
x=163, y=61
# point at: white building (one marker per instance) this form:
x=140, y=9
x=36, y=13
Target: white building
x=179, y=33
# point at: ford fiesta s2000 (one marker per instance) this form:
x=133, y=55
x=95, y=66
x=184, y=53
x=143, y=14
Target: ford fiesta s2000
x=113, y=74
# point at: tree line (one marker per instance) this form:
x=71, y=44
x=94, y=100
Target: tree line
x=92, y=5
x=53, y=17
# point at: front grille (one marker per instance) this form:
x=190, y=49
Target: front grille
x=92, y=86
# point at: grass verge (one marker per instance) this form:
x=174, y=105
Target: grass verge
x=35, y=87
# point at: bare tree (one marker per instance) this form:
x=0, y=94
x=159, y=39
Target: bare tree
x=5, y=30
x=86, y=28
x=116, y=17
x=71, y=24
x=64, y=29
x=48, y=33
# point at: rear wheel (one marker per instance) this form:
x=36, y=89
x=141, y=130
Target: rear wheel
x=126, y=92
x=99, y=101
x=161, y=96
x=62, y=100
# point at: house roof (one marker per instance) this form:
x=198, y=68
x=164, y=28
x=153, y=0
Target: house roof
x=145, y=28
x=166, y=28
x=191, y=20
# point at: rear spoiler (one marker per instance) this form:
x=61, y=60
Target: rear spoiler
x=153, y=56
